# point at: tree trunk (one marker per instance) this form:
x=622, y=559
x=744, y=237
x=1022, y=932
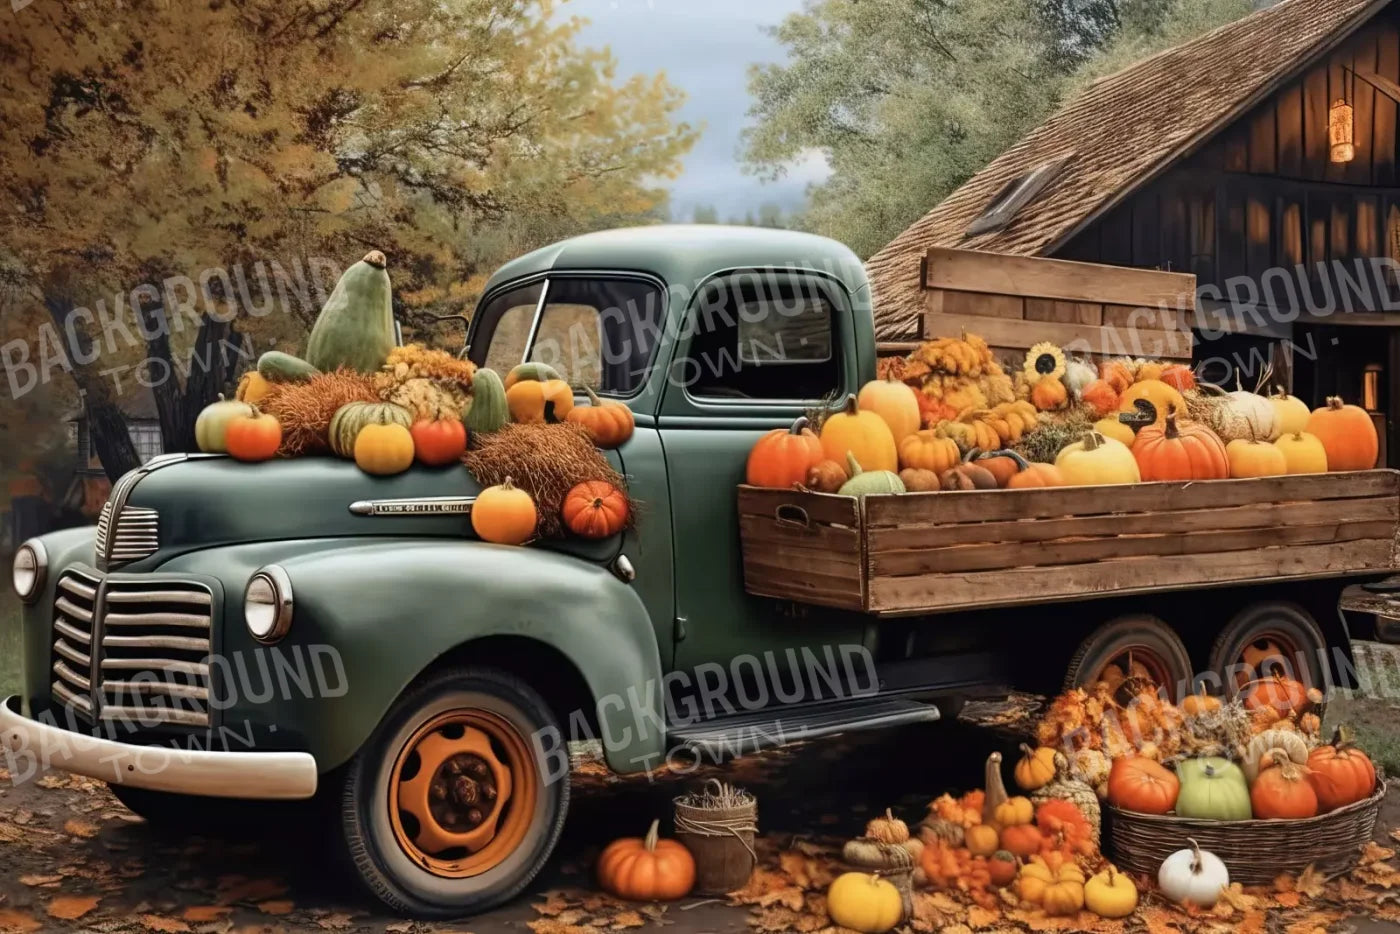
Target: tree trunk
x=208, y=373
x=107, y=429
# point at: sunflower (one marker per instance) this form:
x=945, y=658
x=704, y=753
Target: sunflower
x=1042, y=360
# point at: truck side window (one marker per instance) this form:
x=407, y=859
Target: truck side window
x=762, y=335
x=600, y=333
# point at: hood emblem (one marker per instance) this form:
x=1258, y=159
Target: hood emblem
x=425, y=506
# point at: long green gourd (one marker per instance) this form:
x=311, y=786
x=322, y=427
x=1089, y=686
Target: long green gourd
x=356, y=327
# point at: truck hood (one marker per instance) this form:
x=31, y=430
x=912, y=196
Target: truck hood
x=204, y=502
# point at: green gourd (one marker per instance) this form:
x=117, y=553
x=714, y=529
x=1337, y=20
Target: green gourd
x=1212, y=789
x=488, y=411
x=865, y=482
x=355, y=329
x=278, y=367
x=213, y=421
x=531, y=372
x=352, y=417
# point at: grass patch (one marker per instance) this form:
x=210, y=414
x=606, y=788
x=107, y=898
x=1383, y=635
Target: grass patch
x=1373, y=711
x=9, y=643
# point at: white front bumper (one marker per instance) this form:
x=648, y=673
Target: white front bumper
x=30, y=746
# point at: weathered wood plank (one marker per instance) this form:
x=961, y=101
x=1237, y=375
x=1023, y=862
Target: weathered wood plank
x=1152, y=317
x=995, y=505
x=830, y=539
x=819, y=507
x=805, y=562
x=1315, y=102
x=1364, y=102
x=1289, y=122
x=940, y=592
x=983, y=304
x=1384, y=113
x=1037, y=277
x=1044, y=309
x=1113, y=547
x=1076, y=338
x=1262, y=515
x=1263, y=141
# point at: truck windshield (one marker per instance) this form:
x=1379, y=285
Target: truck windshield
x=597, y=332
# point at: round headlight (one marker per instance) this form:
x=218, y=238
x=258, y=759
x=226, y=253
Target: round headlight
x=30, y=568
x=267, y=604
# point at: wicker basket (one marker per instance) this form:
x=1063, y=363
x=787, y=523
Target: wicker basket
x=1256, y=851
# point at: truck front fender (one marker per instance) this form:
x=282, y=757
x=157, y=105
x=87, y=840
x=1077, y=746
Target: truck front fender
x=390, y=611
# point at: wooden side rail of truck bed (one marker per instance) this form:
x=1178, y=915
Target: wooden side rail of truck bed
x=921, y=553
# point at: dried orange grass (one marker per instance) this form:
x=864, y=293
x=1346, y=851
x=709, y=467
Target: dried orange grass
x=305, y=409
x=546, y=461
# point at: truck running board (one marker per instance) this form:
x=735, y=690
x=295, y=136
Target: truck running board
x=741, y=734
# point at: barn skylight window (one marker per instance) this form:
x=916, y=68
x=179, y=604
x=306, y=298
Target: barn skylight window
x=1015, y=196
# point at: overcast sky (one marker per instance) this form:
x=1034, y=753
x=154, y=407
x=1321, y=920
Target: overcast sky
x=705, y=47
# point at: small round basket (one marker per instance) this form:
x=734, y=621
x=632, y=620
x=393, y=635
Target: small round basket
x=718, y=825
x=1256, y=851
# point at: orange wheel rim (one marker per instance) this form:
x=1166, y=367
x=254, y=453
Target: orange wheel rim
x=462, y=793
x=1135, y=658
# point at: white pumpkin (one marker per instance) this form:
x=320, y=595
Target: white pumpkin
x=1193, y=876
x=1243, y=416
x=213, y=421
x=1290, y=413
x=1078, y=374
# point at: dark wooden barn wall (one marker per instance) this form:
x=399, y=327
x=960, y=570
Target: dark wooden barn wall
x=1264, y=192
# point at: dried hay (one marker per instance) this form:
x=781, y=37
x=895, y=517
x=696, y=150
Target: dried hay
x=546, y=461
x=1042, y=444
x=305, y=409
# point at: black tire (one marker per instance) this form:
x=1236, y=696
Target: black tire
x=170, y=813
x=400, y=880
x=1279, y=619
x=1118, y=636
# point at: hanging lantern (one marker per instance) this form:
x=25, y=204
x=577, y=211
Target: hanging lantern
x=1341, y=131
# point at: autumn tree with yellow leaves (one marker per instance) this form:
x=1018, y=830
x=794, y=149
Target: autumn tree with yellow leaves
x=179, y=179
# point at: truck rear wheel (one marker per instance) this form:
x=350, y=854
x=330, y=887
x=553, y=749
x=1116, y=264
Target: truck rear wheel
x=1266, y=638
x=1139, y=645
x=446, y=810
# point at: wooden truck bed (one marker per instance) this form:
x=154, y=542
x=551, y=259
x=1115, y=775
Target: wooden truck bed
x=935, y=552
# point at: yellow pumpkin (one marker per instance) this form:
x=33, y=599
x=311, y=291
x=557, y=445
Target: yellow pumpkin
x=1152, y=393
x=384, y=450
x=529, y=400
x=1110, y=894
x=981, y=839
x=1036, y=768
x=1250, y=458
x=895, y=403
x=1097, y=460
x=1013, y=812
x=864, y=903
x=1114, y=427
x=1032, y=881
x=253, y=387
x=1291, y=414
x=504, y=514
x=1302, y=453
x=1149, y=369
x=863, y=434
x=1062, y=898
x=925, y=450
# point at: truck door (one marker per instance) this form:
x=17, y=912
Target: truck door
x=758, y=349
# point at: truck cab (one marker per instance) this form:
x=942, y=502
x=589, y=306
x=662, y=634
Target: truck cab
x=299, y=631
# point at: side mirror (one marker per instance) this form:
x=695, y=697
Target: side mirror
x=466, y=326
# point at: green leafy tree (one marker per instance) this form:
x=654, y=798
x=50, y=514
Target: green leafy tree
x=704, y=214
x=152, y=142
x=909, y=98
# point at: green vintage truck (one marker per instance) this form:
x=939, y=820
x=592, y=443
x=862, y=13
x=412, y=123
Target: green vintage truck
x=298, y=631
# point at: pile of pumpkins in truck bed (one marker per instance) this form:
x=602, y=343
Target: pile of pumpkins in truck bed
x=1065, y=423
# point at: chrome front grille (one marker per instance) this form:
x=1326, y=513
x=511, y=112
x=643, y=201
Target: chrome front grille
x=134, y=534
x=73, y=611
x=153, y=640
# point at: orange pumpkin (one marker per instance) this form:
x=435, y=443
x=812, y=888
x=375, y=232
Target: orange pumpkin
x=384, y=450
x=1282, y=791
x=1116, y=374
x=1341, y=774
x=438, y=442
x=783, y=457
x=1178, y=376
x=1100, y=396
x=1061, y=817
x=1284, y=695
x=894, y=402
x=1186, y=451
x=608, y=423
x=827, y=477
x=1136, y=783
x=1022, y=840
x=504, y=514
x=863, y=434
x=1001, y=866
x=1347, y=433
x=595, y=509
x=1049, y=393
x=1036, y=476
x=646, y=868
x=253, y=437
x=967, y=477
x=925, y=450
x=1153, y=399
x=1002, y=464
x=529, y=400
